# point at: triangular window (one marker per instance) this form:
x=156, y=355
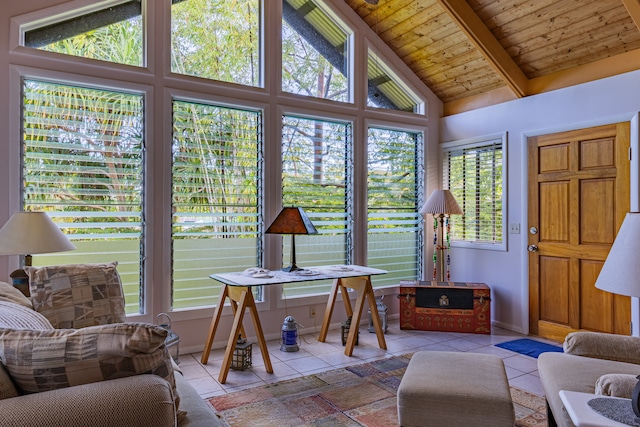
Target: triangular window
x=387, y=91
x=315, y=52
x=112, y=33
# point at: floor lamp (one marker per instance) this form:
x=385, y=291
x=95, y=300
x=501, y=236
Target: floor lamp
x=441, y=204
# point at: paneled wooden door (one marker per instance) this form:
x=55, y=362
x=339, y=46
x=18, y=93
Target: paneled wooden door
x=578, y=197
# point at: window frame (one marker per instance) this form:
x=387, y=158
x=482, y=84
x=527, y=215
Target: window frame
x=158, y=86
x=470, y=143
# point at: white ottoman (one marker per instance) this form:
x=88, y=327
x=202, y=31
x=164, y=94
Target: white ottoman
x=453, y=389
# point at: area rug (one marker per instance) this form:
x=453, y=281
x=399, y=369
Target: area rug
x=359, y=395
x=529, y=347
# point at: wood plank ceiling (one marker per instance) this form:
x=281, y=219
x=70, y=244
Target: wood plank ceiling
x=476, y=53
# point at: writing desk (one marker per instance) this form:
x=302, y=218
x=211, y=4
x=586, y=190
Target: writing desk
x=237, y=287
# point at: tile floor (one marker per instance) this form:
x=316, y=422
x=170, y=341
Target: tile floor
x=315, y=356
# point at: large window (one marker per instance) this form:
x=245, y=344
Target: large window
x=474, y=172
x=394, y=196
x=217, y=221
x=188, y=146
x=83, y=164
x=316, y=175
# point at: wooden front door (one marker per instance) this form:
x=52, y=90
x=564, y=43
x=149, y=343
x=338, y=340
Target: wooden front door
x=578, y=197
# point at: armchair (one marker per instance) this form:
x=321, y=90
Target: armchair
x=587, y=365
x=92, y=392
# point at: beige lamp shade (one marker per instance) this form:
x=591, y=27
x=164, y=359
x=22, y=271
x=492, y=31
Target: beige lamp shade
x=441, y=202
x=28, y=233
x=620, y=273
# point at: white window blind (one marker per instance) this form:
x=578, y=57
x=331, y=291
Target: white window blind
x=316, y=175
x=394, y=240
x=83, y=163
x=217, y=216
x=474, y=174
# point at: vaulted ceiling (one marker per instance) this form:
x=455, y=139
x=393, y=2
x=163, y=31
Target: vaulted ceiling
x=476, y=53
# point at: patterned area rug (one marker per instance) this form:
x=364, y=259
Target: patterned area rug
x=359, y=395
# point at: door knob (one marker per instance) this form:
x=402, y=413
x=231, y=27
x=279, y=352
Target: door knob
x=532, y=248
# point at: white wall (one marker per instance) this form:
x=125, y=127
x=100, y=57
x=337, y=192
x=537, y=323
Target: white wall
x=611, y=100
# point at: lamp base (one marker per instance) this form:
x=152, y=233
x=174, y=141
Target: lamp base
x=20, y=281
x=292, y=268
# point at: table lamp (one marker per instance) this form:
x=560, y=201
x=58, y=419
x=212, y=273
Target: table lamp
x=620, y=273
x=28, y=233
x=292, y=221
x=441, y=204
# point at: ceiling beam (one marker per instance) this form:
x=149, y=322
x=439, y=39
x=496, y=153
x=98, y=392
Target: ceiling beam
x=489, y=46
x=633, y=7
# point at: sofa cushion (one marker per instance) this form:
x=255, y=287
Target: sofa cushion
x=77, y=295
x=602, y=345
x=10, y=293
x=50, y=359
x=616, y=385
x=15, y=316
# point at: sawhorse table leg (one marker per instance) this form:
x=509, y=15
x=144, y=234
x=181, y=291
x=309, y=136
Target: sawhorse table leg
x=241, y=298
x=362, y=285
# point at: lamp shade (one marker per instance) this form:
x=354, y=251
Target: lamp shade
x=620, y=273
x=28, y=233
x=441, y=202
x=292, y=221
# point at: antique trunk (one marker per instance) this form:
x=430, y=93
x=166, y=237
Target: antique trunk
x=445, y=306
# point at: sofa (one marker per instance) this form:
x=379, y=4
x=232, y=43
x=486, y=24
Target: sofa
x=592, y=362
x=100, y=375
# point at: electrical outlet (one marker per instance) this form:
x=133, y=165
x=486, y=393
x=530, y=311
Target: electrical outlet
x=312, y=311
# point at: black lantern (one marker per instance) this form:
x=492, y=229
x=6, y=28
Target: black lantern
x=346, y=325
x=241, y=359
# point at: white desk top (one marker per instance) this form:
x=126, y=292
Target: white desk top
x=581, y=413
x=266, y=277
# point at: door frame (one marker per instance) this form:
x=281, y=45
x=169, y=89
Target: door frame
x=634, y=190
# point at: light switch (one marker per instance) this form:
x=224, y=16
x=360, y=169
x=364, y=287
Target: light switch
x=514, y=228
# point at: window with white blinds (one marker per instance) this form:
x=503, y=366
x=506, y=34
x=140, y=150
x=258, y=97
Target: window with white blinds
x=317, y=176
x=474, y=172
x=394, y=197
x=83, y=163
x=217, y=216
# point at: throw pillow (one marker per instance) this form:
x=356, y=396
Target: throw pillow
x=50, y=359
x=77, y=295
x=15, y=316
x=39, y=361
x=616, y=385
x=11, y=294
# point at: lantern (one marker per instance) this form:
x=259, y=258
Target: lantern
x=289, y=337
x=346, y=325
x=173, y=340
x=382, y=314
x=241, y=359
